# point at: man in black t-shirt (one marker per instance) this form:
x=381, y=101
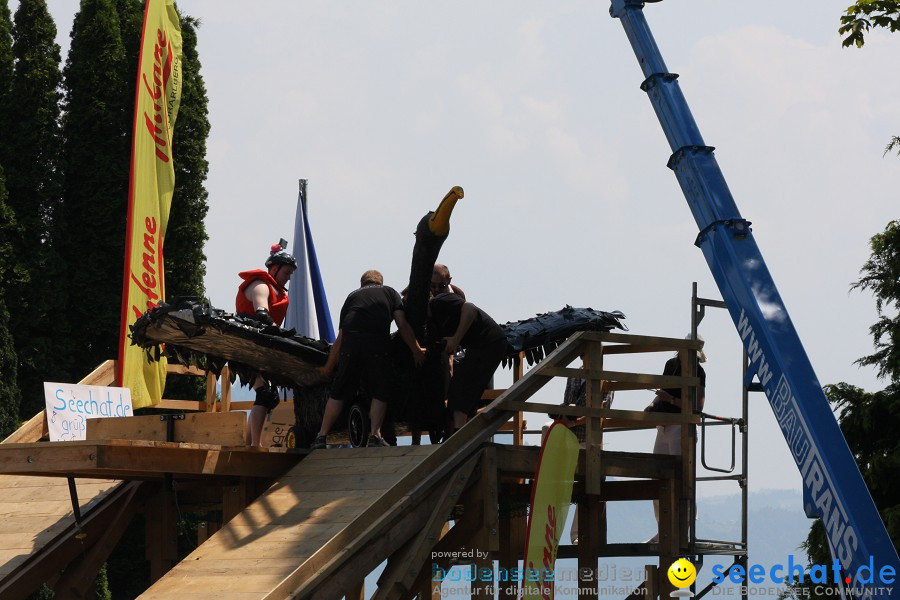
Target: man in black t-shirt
x=361, y=353
x=464, y=325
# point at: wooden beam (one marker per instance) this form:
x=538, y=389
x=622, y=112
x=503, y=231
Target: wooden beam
x=118, y=459
x=222, y=429
x=642, y=340
x=161, y=533
x=225, y=378
x=588, y=547
x=407, y=567
x=30, y=431
x=490, y=498
x=79, y=576
x=211, y=392
x=105, y=374
x=617, y=417
x=174, y=369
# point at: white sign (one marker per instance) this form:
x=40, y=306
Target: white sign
x=70, y=405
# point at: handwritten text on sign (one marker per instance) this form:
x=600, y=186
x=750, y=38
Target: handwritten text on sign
x=70, y=405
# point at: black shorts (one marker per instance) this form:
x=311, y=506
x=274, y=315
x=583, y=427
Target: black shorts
x=473, y=374
x=365, y=366
x=267, y=397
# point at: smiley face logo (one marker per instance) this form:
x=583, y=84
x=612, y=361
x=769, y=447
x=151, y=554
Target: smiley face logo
x=682, y=573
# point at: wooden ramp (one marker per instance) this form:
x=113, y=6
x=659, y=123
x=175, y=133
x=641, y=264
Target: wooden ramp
x=35, y=511
x=331, y=495
x=320, y=529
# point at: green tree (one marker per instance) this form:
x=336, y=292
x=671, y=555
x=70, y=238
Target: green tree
x=96, y=149
x=856, y=22
x=6, y=61
x=870, y=420
x=9, y=392
x=30, y=157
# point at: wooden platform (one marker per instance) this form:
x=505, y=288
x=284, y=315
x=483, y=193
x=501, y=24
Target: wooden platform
x=331, y=492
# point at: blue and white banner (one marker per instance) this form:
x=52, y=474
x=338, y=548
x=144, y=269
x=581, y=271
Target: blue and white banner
x=308, y=310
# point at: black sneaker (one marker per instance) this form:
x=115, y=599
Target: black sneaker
x=376, y=442
x=319, y=444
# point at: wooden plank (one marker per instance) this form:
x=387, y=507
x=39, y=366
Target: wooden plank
x=614, y=416
x=184, y=370
x=211, y=392
x=641, y=340
x=30, y=431
x=403, y=573
x=593, y=362
x=222, y=429
x=23, y=458
x=131, y=459
x=225, y=378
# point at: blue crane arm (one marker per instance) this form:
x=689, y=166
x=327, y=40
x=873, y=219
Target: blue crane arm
x=833, y=488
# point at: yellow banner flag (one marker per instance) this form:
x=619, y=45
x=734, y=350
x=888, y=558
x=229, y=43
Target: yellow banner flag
x=157, y=98
x=550, y=498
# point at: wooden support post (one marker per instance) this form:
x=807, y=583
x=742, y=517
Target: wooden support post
x=225, y=379
x=427, y=588
x=512, y=544
x=210, y=392
x=652, y=582
x=483, y=584
x=161, y=533
x=593, y=361
x=518, y=370
x=358, y=592
x=490, y=498
x=668, y=533
x=235, y=498
x=589, y=544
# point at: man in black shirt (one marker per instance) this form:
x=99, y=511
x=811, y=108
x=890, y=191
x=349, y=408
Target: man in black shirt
x=464, y=325
x=362, y=353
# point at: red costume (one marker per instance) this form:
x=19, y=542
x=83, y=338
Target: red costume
x=278, y=297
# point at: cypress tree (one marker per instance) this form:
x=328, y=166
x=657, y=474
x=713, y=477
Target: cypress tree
x=9, y=393
x=96, y=151
x=30, y=157
x=6, y=61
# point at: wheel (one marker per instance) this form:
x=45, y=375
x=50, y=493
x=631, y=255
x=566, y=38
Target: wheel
x=290, y=440
x=358, y=425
